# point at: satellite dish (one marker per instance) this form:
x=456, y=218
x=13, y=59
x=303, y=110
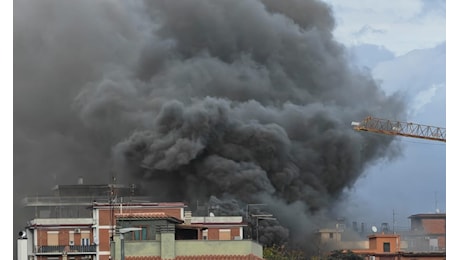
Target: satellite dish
x=22, y=234
x=374, y=229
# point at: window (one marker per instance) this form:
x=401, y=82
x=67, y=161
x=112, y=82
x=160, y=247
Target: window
x=224, y=234
x=85, y=241
x=331, y=235
x=85, y=238
x=53, y=238
x=141, y=234
x=386, y=247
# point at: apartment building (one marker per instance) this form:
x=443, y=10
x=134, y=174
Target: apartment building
x=82, y=221
x=426, y=239
x=428, y=232
x=387, y=247
x=64, y=238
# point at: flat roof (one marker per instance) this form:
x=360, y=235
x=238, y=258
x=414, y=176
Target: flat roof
x=141, y=204
x=60, y=221
x=217, y=220
x=429, y=215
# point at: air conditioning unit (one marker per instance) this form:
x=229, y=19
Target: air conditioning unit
x=77, y=230
x=71, y=243
x=371, y=257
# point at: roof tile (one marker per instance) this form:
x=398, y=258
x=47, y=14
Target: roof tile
x=199, y=257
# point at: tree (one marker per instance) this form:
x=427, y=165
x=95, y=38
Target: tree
x=275, y=252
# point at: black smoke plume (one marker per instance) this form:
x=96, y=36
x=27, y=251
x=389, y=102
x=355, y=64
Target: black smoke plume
x=231, y=102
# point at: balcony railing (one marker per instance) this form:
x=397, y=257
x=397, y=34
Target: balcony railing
x=65, y=249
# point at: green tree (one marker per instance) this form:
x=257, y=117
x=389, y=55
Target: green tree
x=276, y=252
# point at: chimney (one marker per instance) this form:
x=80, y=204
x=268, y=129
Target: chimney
x=188, y=217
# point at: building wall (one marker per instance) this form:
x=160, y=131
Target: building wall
x=217, y=233
x=422, y=258
x=201, y=247
x=193, y=248
x=377, y=244
x=105, y=213
x=64, y=235
x=214, y=233
x=104, y=221
x=442, y=242
x=434, y=226
x=138, y=248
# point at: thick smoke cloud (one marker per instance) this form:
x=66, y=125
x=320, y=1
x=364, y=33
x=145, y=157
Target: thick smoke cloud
x=231, y=102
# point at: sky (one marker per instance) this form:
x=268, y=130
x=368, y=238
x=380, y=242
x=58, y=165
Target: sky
x=399, y=27
x=416, y=180
x=392, y=32
x=409, y=34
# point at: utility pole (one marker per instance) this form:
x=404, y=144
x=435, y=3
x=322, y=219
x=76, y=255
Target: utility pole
x=265, y=216
x=394, y=231
x=250, y=231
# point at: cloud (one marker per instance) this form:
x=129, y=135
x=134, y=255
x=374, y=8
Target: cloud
x=367, y=29
x=407, y=25
x=424, y=98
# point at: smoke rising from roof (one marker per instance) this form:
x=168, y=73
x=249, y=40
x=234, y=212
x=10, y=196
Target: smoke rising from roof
x=239, y=101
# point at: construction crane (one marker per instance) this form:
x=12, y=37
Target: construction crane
x=389, y=127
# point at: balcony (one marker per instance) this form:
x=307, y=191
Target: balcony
x=69, y=250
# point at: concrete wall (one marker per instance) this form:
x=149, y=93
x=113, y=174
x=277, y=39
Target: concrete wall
x=192, y=247
x=142, y=248
x=235, y=247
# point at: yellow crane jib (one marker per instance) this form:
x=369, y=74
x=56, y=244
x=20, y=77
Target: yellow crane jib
x=389, y=127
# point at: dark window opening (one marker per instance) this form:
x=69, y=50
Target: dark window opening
x=142, y=234
x=386, y=247
x=186, y=234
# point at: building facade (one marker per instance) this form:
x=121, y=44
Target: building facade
x=160, y=236
x=387, y=247
x=71, y=226
x=426, y=239
x=428, y=232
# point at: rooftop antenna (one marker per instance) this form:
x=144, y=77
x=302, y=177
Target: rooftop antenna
x=112, y=198
x=394, y=232
x=436, y=202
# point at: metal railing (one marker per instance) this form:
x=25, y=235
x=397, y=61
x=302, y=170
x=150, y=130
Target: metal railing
x=69, y=249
